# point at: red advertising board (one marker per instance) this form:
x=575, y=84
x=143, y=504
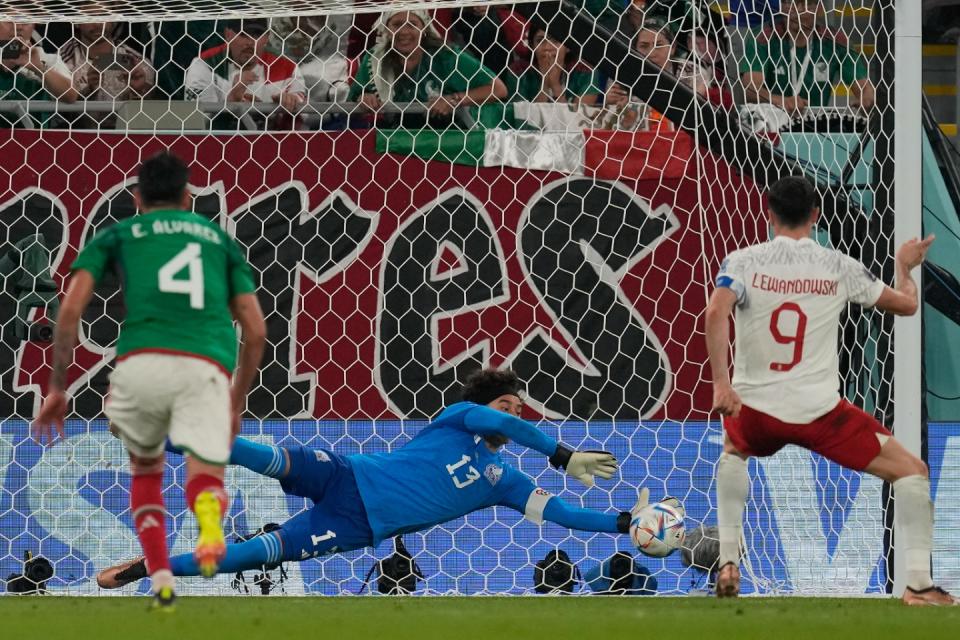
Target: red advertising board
x=386, y=279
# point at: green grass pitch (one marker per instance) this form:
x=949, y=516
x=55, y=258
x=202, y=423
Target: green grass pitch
x=486, y=618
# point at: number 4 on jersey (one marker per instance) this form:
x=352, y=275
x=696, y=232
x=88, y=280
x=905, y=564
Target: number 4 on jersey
x=192, y=286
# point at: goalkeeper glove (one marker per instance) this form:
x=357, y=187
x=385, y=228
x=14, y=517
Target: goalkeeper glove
x=583, y=465
x=626, y=517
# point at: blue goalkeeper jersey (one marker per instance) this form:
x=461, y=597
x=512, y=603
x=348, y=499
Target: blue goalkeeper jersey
x=448, y=471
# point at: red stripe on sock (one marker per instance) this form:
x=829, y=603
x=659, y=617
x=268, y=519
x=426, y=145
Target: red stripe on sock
x=146, y=501
x=205, y=482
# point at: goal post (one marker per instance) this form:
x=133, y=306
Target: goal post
x=909, y=426
x=563, y=220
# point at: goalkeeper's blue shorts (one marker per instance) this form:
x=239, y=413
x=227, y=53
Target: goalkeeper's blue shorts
x=337, y=521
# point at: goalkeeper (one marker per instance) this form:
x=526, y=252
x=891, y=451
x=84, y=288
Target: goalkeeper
x=451, y=468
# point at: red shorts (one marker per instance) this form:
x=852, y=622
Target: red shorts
x=847, y=434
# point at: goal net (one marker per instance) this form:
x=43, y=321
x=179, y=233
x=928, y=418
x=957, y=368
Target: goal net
x=449, y=185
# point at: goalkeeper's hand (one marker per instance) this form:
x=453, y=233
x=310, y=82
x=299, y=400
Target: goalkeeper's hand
x=642, y=501
x=583, y=465
x=626, y=518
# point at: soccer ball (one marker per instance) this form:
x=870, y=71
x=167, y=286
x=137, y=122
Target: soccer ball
x=657, y=531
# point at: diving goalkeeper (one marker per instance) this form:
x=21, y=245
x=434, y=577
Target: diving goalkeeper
x=451, y=468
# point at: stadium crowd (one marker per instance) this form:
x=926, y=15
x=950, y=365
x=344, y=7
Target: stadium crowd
x=461, y=67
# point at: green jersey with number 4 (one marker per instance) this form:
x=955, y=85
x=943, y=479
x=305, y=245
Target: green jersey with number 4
x=179, y=272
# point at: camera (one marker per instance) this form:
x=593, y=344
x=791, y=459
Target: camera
x=399, y=572
x=556, y=573
x=36, y=571
x=11, y=49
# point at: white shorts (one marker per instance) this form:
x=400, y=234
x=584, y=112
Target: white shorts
x=155, y=395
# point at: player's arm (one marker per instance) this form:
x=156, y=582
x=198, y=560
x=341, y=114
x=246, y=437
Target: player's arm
x=903, y=299
x=539, y=506
x=65, y=335
x=566, y=515
x=582, y=465
x=246, y=311
x=717, y=327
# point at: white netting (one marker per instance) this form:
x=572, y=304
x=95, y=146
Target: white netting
x=480, y=203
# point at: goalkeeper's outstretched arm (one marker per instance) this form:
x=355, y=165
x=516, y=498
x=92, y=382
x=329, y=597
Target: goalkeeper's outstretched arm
x=582, y=465
x=566, y=515
x=538, y=506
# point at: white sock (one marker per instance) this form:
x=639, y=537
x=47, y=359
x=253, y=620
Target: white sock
x=160, y=579
x=733, y=485
x=914, y=518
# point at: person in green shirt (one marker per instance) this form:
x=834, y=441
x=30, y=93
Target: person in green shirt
x=556, y=73
x=411, y=63
x=184, y=282
x=30, y=75
x=795, y=63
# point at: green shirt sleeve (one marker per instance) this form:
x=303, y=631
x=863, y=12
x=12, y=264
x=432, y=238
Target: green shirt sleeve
x=239, y=273
x=362, y=80
x=466, y=73
x=755, y=55
x=97, y=254
x=853, y=66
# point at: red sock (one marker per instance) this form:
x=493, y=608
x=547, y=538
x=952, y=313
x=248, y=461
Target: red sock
x=204, y=482
x=146, y=501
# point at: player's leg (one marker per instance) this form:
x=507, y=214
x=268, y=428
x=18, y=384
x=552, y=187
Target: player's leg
x=337, y=523
x=149, y=519
x=137, y=409
x=208, y=500
x=306, y=535
x=200, y=424
x=266, y=459
x=750, y=433
x=302, y=471
x=910, y=478
x=855, y=439
x=733, y=486
x=317, y=531
x=250, y=554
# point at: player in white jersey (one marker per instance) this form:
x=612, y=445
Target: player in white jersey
x=788, y=295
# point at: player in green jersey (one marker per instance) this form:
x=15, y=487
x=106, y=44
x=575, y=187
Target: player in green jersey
x=184, y=282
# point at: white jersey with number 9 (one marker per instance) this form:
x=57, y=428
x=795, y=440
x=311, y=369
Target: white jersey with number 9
x=790, y=294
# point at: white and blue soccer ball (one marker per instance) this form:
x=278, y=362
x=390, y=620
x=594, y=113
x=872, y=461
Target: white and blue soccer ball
x=658, y=530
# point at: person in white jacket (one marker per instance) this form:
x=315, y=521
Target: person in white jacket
x=242, y=70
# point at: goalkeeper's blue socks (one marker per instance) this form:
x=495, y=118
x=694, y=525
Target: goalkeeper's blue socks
x=251, y=554
x=265, y=459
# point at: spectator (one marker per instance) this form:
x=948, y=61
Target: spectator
x=410, y=62
x=56, y=75
x=655, y=42
x=493, y=35
x=54, y=35
x=101, y=68
x=672, y=12
x=176, y=45
x=318, y=44
x=795, y=62
x=556, y=73
x=241, y=70
x=704, y=50
x=30, y=74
